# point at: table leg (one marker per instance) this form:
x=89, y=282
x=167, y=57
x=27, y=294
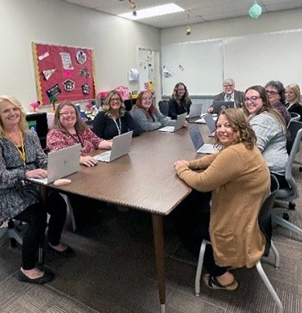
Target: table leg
x=158, y=235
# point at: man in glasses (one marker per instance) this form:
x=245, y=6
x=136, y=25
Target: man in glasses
x=229, y=94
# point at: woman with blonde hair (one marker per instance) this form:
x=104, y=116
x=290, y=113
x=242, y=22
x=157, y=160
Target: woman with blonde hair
x=22, y=158
x=239, y=180
x=114, y=120
x=293, y=99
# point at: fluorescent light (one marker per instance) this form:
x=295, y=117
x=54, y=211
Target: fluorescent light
x=154, y=11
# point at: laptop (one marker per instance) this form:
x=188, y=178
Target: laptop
x=203, y=121
x=178, y=125
x=211, y=124
x=198, y=142
x=222, y=105
x=195, y=110
x=120, y=147
x=61, y=163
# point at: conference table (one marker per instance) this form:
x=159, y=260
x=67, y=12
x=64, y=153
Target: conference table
x=144, y=180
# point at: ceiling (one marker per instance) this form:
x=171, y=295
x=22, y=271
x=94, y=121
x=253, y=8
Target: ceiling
x=197, y=11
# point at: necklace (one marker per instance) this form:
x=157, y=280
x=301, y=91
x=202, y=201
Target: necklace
x=20, y=149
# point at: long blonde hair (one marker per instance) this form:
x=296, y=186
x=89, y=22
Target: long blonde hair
x=23, y=126
x=106, y=105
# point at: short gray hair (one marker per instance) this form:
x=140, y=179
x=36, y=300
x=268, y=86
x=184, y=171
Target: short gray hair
x=229, y=81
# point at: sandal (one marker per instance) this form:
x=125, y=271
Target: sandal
x=213, y=283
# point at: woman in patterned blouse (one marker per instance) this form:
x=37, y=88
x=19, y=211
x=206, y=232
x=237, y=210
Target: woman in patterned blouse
x=69, y=130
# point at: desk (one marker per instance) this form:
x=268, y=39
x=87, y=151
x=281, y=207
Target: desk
x=143, y=180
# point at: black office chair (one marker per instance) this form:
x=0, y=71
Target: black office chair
x=164, y=107
x=294, y=117
x=265, y=224
x=290, y=193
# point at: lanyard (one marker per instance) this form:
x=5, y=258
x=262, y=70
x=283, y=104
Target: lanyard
x=21, y=149
x=119, y=127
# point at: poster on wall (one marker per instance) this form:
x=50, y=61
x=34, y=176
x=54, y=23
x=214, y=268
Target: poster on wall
x=63, y=73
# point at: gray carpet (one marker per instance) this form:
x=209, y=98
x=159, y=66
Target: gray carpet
x=113, y=272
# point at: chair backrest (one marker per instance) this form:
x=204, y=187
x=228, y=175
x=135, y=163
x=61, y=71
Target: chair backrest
x=296, y=133
x=293, y=128
x=164, y=107
x=264, y=217
x=294, y=116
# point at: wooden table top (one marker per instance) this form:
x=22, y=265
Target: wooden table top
x=145, y=178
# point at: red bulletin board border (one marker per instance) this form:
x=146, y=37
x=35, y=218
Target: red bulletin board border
x=66, y=72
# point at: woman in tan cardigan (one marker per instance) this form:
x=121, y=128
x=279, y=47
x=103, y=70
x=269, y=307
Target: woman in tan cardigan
x=240, y=181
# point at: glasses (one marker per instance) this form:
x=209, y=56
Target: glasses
x=68, y=113
x=252, y=99
x=115, y=100
x=228, y=85
x=271, y=92
x=146, y=98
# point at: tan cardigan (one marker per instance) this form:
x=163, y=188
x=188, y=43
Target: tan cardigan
x=240, y=181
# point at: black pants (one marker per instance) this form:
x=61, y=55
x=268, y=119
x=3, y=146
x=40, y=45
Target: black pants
x=193, y=226
x=56, y=207
x=35, y=217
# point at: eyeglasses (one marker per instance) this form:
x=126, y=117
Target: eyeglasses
x=146, y=98
x=252, y=99
x=228, y=85
x=68, y=113
x=271, y=92
x=115, y=99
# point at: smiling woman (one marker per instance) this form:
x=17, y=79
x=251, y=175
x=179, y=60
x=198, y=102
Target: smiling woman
x=239, y=180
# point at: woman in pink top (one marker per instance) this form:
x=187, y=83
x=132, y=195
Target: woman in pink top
x=69, y=130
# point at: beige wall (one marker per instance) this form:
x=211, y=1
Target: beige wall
x=115, y=40
x=278, y=21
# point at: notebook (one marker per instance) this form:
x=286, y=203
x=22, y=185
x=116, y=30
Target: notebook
x=178, y=125
x=198, y=142
x=61, y=163
x=195, y=110
x=120, y=147
x=222, y=105
x=210, y=124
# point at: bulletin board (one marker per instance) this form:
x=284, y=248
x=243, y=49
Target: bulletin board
x=66, y=73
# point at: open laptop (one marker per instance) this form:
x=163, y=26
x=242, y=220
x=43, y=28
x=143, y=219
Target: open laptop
x=198, y=142
x=222, y=105
x=211, y=124
x=195, y=110
x=178, y=125
x=61, y=163
x=120, y=147
x=203, y=121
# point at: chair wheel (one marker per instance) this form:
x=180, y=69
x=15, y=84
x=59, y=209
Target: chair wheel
x=286, y=216
x=292, y=206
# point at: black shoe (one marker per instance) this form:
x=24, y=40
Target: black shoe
x=68, y=253
x=46, y=278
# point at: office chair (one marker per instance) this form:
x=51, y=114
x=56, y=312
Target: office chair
x=164, y=107
x=294, y=117
x=70, y=210
x=265, y=224
x=290, y=193
x=14, y=232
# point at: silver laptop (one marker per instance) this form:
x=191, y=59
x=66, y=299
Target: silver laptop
x=198, y=142
x=178, y=125
x=61, y=163
x=222, y=105
x=203, y=121
x=210, y=124
x=120, y=147
x=195, y=110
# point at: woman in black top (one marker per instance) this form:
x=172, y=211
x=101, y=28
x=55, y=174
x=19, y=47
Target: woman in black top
x=180, y=101
x=293, y=99
x=114, y=120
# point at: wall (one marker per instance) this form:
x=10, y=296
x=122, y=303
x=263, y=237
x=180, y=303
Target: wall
x=115, y=40
x=255, y=51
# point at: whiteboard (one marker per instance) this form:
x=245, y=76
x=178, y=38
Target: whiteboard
x=199, y=65
x=257, y=59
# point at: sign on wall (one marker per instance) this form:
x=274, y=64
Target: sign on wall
x=63, y=73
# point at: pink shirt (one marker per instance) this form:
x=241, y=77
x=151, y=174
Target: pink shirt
x=56, y=140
